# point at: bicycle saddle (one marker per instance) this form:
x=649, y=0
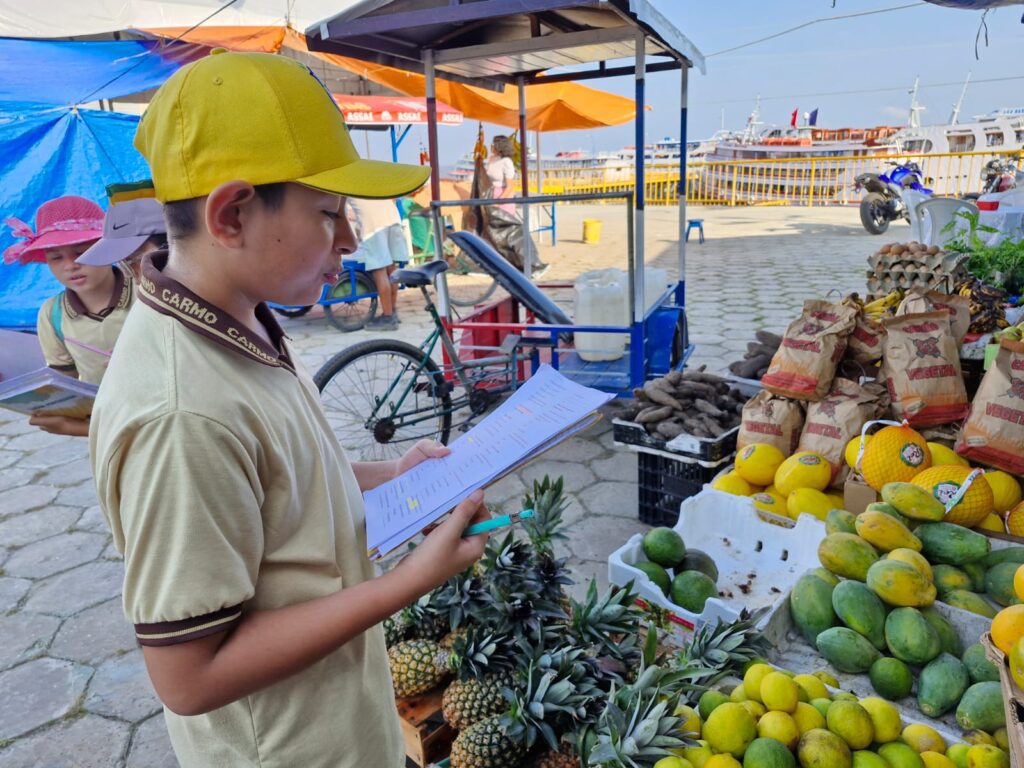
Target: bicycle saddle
x=510, y=278
x=416, y=277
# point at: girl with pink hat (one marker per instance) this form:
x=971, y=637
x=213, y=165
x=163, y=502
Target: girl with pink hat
x=78, y=327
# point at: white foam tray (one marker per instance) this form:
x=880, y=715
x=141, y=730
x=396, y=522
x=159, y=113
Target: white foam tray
x=758, y=562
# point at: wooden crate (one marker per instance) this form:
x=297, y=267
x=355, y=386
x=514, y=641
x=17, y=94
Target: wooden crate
x=1013, y=700
x=428, y=738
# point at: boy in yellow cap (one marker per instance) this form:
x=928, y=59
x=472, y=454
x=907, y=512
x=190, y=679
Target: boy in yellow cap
x=240, y=517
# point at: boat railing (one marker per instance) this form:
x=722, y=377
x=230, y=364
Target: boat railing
x=811, y=180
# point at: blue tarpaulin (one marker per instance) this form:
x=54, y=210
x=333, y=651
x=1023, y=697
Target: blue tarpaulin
x=51, y=147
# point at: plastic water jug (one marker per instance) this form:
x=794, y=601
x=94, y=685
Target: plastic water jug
x=655, y=284
x=601, y=298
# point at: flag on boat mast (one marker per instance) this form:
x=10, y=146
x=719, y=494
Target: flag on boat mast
x=814, y=117
x=792, y=119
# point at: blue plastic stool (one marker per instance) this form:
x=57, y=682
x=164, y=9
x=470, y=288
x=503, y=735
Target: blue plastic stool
x=690, y=224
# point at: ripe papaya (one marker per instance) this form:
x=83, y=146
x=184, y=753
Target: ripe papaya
x=890, y=510
x=999, y=583
x=947, y=634
x=885, y=533
x=1004, y=555
x=847, y=555
x=827, y=576
x=969, y=601
x=860, y=609
x=978, y=666
x=951, y=543
x=846, y=650
x=949, y=577
x=840, y=521
x=898, y=583
x=810, y=604
x=941, y=684
x=915, y=559
x=976, y=573
x=913, y=501
x=982, y=707
x=910, y=637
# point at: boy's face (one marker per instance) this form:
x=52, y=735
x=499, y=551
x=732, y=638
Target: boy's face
x=77, y=277
x=299, y=246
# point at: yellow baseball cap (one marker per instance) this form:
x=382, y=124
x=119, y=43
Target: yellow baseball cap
x=259, y=118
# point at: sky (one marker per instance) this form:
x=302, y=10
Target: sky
x=878, y=56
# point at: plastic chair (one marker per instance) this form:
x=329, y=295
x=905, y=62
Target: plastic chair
x=940, y=211
x=697, y=224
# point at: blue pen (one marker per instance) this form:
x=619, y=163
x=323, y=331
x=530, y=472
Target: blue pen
x=498, y=522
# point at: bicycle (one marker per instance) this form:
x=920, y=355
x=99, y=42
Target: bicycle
x=382, y=396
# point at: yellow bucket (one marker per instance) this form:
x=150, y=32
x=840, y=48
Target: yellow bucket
x=592, y=231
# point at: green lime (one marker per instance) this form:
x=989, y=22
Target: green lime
x=691, y=589
x=655, y=573
x=708, y=701
x=664, y=547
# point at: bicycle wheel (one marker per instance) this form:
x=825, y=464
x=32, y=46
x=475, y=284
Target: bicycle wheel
x=381, y=396
x=352, y=315
x=468, y=284
x=292, y=311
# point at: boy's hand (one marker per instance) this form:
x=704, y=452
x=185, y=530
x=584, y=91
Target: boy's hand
x=60, y=425
x=445, y=552
x=423, y=450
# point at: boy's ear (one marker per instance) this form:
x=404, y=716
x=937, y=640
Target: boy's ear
x=225, y=210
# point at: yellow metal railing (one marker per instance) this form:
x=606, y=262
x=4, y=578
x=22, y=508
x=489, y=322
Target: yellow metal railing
x=784, y=181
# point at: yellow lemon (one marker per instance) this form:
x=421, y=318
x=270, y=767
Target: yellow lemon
x=885, y=718
x=851, y=722
x=1016, y=660
x=723, y=761
x=808, y=501
x=779, y=726
x=730, y=729
x=1006, y=493
x=673, y=762
x=732, y=483
x=812, y=686
x=1008, y=627
x=757, y=463
x=779, y=692
x=852, y=449
x=923, y=738
x=738, y=694
x=958, y=754
x=943, y=456
x=756, y=708
x=805, y=469
x=1018, y=583
x=826, y=677
x=753, y=677
x=987, y=756
x=1002, y=738
x=691, y=720
x=807, y=718
x=697, y=755
x=978, y=736
x=992, y=522
x=936, y=760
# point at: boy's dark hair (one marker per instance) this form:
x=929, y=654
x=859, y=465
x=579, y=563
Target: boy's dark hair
x=182, y=221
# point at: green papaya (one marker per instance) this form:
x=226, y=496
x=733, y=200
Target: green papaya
x=982, y=707
x=976, y=573
x=948, y=637
x=969, y=601
x=910, y=637
x=899, y=583
x=891, y=678
x=952, y=544
x=949, y=577
x=827, y=576
x=978, y=666
x=1004, y=555
x=810, y=604
x=913, y=501
x=847, y=651
x=847, y=555
x=840, y=521
x=999, y=583
x=860, y=609
x=941, y=684
x=889, y=509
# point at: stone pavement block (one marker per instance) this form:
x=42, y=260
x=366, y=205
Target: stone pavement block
x=8, y=457
x=53, y=456
x=81, y=495
x=577, y=476
x=581, y=449
x=509, y=488
x=94, y=634
x=35, y=439
x=84, y=742
x=11, y=591
x=594, y=538
x=79, y=588
x=72, y=473
x=93, y=520
x=19, y=530
x=12, y=477
x=620, y=466
x=615, y=499
x=58, y=553
x=37, y=692
x=16, y=426
x=24, y=635
x=121, y=688
x=111, y=553
x=151, y=746
x=25, y=497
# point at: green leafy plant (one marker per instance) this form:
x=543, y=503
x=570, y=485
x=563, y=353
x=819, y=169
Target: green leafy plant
x=1000, y=265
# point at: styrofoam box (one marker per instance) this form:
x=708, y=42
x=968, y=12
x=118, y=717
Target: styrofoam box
x=790, y=651
x=758, y=561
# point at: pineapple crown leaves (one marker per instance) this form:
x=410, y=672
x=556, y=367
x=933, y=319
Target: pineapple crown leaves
x=548, y=502
x=480, y=653
x=466, y=598
x=552, y=575
x=549, y=704
x=635, y=729
x=724, y=648
x=506, y=558
x=603, y=620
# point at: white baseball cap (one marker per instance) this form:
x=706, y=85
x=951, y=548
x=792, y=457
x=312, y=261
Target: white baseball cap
x=127, y=225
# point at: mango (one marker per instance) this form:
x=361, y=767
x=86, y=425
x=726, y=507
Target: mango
x=847, y=555
x=913, y=501
x=898, y=583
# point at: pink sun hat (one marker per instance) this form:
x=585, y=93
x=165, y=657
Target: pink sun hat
x=67, y=220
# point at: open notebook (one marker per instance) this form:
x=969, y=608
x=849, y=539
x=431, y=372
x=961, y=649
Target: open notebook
x=28, y=386
x=546, y=410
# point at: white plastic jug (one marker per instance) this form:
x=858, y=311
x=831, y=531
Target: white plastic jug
x=655, y=284
x=601, y=298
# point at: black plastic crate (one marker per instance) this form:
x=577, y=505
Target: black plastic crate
x=663, y=483
x=701, y=448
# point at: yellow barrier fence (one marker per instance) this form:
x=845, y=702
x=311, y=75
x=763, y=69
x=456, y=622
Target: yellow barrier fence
x=785, y=181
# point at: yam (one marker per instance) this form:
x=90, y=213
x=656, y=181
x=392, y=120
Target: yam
x=654, y=414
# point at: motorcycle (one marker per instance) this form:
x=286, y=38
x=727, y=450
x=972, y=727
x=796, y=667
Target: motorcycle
x=998, y=175
x=884, y=201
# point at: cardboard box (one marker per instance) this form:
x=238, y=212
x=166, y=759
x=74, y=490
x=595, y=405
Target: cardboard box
x=857, y=494
x=1013, y=701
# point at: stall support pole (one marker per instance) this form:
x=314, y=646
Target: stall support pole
x=524, y=173
x=443, y=306
x=684, y=77
x=639, y=158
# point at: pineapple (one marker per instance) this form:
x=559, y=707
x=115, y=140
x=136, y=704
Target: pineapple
x=724, y=649
x=484, y=666
x=548, y=502
x=610, y=623
x=427, y=618
x=414, y=667
x=485, y=745
x=395, y=630
x=564, y=757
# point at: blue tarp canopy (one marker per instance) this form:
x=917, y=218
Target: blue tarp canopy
x=52, y=147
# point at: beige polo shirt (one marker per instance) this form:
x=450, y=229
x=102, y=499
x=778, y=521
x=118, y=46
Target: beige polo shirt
x=88, y=338
x=227, y=492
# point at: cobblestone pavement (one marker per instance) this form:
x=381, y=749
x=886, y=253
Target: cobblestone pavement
x=73, y=687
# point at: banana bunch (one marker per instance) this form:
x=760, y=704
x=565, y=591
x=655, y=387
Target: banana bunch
x=987, y=314
x=884, y=307
x=1013, y=333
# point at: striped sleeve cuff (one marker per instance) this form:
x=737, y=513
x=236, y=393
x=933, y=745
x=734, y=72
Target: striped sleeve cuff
x=186, y=630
